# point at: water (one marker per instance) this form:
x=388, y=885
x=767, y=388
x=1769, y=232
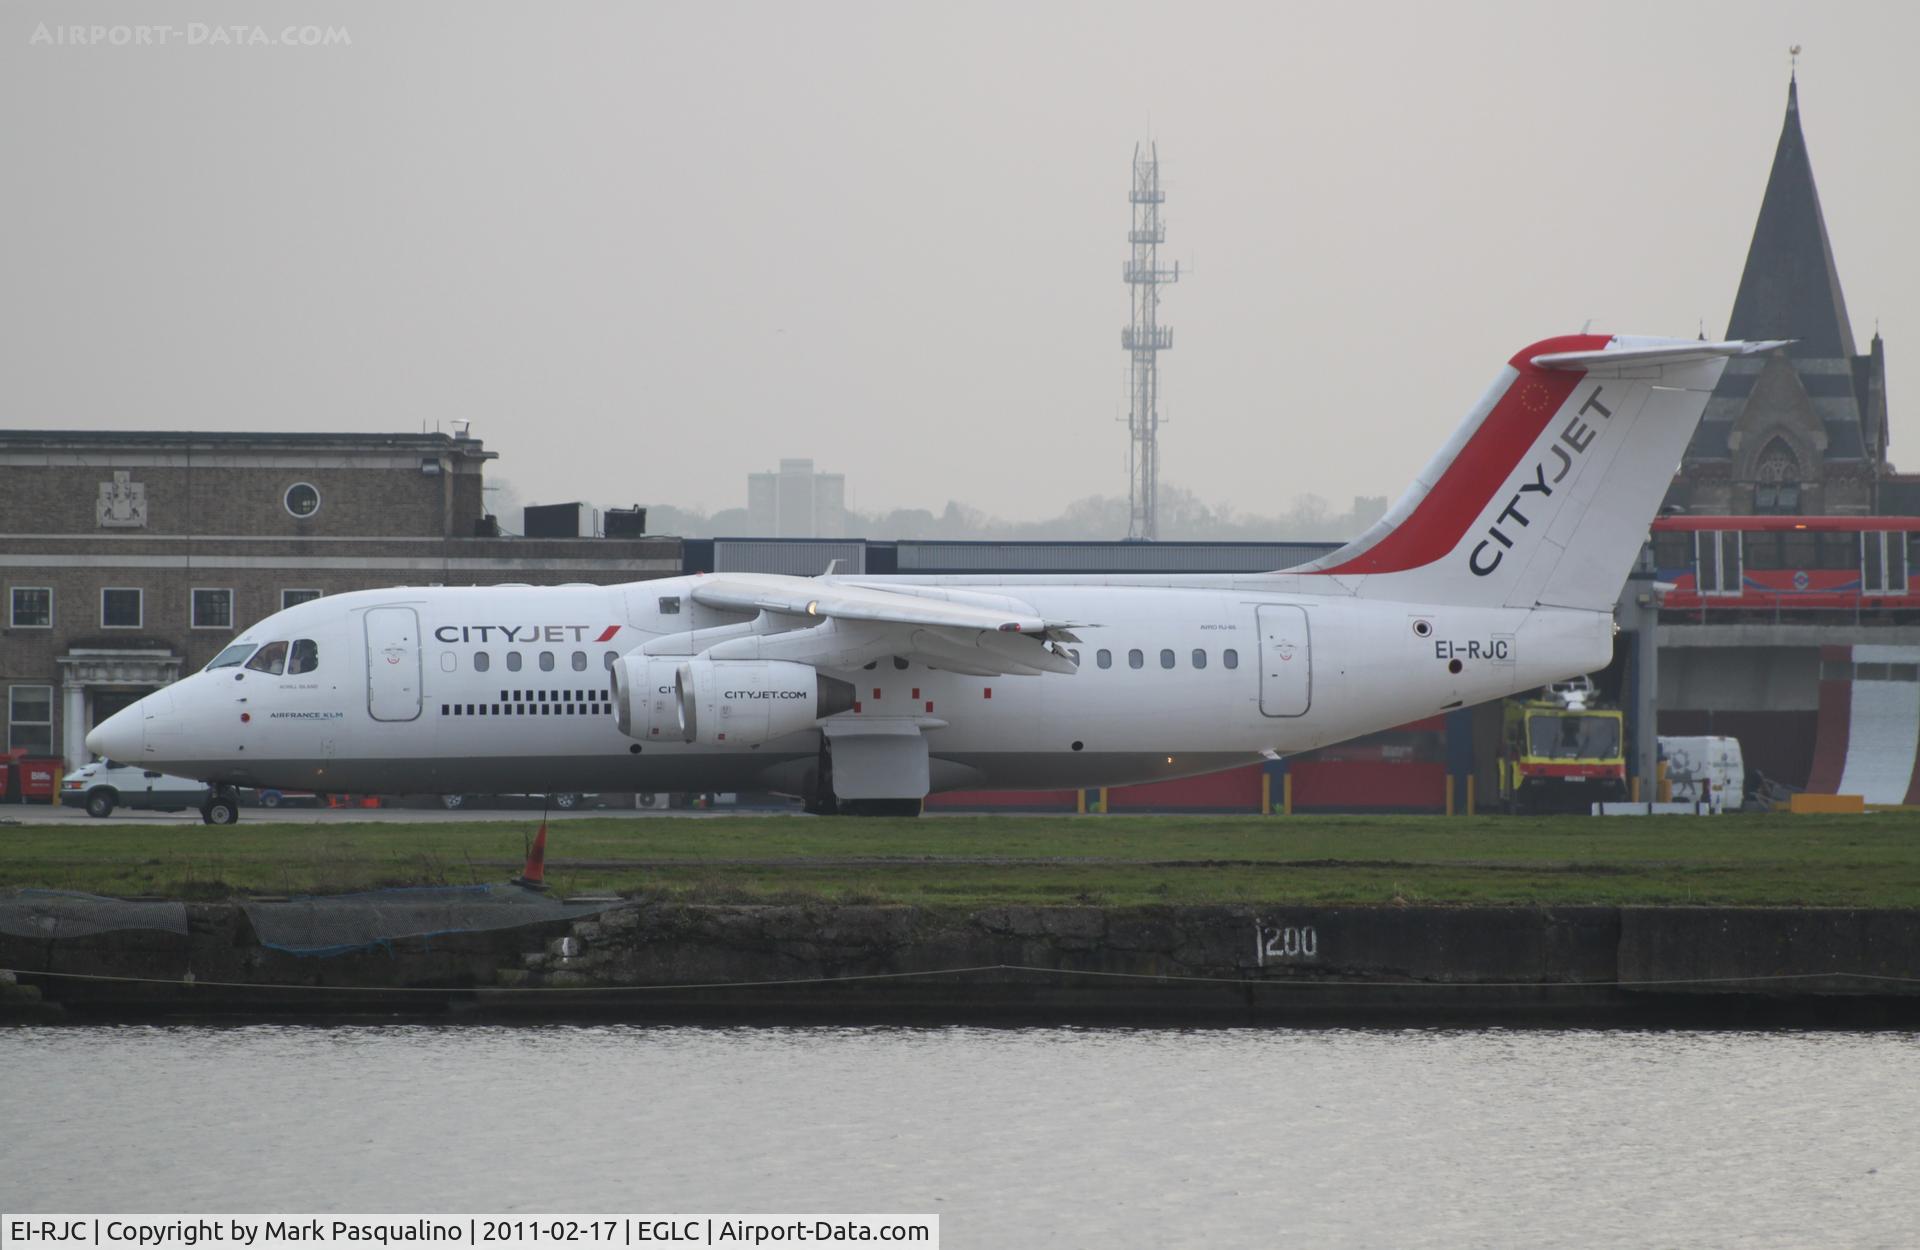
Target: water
x=1041, y=1137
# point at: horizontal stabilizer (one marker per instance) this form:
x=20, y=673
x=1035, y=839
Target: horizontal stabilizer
x=1654, y=352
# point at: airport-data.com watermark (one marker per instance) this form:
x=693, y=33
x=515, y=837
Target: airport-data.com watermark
x=188, y=35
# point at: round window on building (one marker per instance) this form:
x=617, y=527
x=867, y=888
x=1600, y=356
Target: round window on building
x=302, y=500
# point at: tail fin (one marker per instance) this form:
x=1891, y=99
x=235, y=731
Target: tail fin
x=1544, y=494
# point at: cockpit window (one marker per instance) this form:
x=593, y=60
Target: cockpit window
x=306, y=656
x=271, y=658
x=232, y=656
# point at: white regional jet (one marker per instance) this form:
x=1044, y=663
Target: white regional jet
x=1497, y=572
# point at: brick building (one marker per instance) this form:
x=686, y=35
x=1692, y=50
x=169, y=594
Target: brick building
x=129, y=560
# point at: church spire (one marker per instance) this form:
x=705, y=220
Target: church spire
x=1790, y=288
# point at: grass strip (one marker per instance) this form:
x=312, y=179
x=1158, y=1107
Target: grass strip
x=1743, y=860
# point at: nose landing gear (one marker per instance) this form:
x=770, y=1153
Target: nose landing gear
x=221, y=806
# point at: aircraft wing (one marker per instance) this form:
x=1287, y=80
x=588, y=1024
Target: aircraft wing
x=839, y=624
x=806, y=596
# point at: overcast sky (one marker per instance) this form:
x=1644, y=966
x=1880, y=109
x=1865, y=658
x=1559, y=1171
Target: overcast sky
x=648, y=249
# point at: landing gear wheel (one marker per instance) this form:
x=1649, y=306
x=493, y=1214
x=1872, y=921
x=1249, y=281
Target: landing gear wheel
x=453, y=802
x=100, y=804
x=221, y=808
x=566, y=802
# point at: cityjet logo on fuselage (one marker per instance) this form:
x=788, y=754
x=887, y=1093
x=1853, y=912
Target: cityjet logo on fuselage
x=1570, y=446
x=763, y=694
x=523, y=633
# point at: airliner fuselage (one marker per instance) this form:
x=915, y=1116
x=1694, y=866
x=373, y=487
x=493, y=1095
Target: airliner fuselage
x=445, y=690
x=1495, y=573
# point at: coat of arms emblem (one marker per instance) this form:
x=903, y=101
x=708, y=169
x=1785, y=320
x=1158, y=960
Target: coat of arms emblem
x=123, y=503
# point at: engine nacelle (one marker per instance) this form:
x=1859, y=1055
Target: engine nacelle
x=646, y=701
x=747, y=702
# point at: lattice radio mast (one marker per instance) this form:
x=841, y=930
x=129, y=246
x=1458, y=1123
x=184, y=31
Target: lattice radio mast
x=1145, y=338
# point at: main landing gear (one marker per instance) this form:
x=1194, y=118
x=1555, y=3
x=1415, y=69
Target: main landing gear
x=819, y=796
x=221, y=806
x=821, y=800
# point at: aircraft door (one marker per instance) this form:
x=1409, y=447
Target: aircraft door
x=393, y=664
x=1286, y=674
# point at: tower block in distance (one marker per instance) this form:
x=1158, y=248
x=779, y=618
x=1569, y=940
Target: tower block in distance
x=1144, y=338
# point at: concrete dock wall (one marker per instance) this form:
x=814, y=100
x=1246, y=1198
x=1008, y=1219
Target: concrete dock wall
x=1164, y=965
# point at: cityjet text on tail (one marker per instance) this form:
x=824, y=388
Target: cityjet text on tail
x=1496, y=572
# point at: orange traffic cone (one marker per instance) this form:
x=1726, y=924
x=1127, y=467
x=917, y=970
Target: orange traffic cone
x=534, y=875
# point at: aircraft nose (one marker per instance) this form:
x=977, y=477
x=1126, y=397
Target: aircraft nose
x=121, y=736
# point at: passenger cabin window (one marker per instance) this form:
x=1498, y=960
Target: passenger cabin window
x=1199, y=658
x=546, y=661
x=232, y=657
x=1136, y=659
x=611, y=658
x=513, y=661
x=482, y=661
x=1230, y=658
x=579, y=661
x=271, y=658
x=1103, y=657
x=1166, y=657
x=305, y=657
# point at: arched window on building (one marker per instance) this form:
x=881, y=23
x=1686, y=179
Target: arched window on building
x=1776, y=480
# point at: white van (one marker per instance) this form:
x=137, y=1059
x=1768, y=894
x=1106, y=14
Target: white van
x=106, y=784
x=1706, y=770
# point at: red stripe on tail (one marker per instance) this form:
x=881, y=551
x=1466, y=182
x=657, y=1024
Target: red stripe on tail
x=1514, y=424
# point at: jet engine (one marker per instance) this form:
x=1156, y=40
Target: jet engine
x=722, y=702
x=747, y=702
x=645, y=702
